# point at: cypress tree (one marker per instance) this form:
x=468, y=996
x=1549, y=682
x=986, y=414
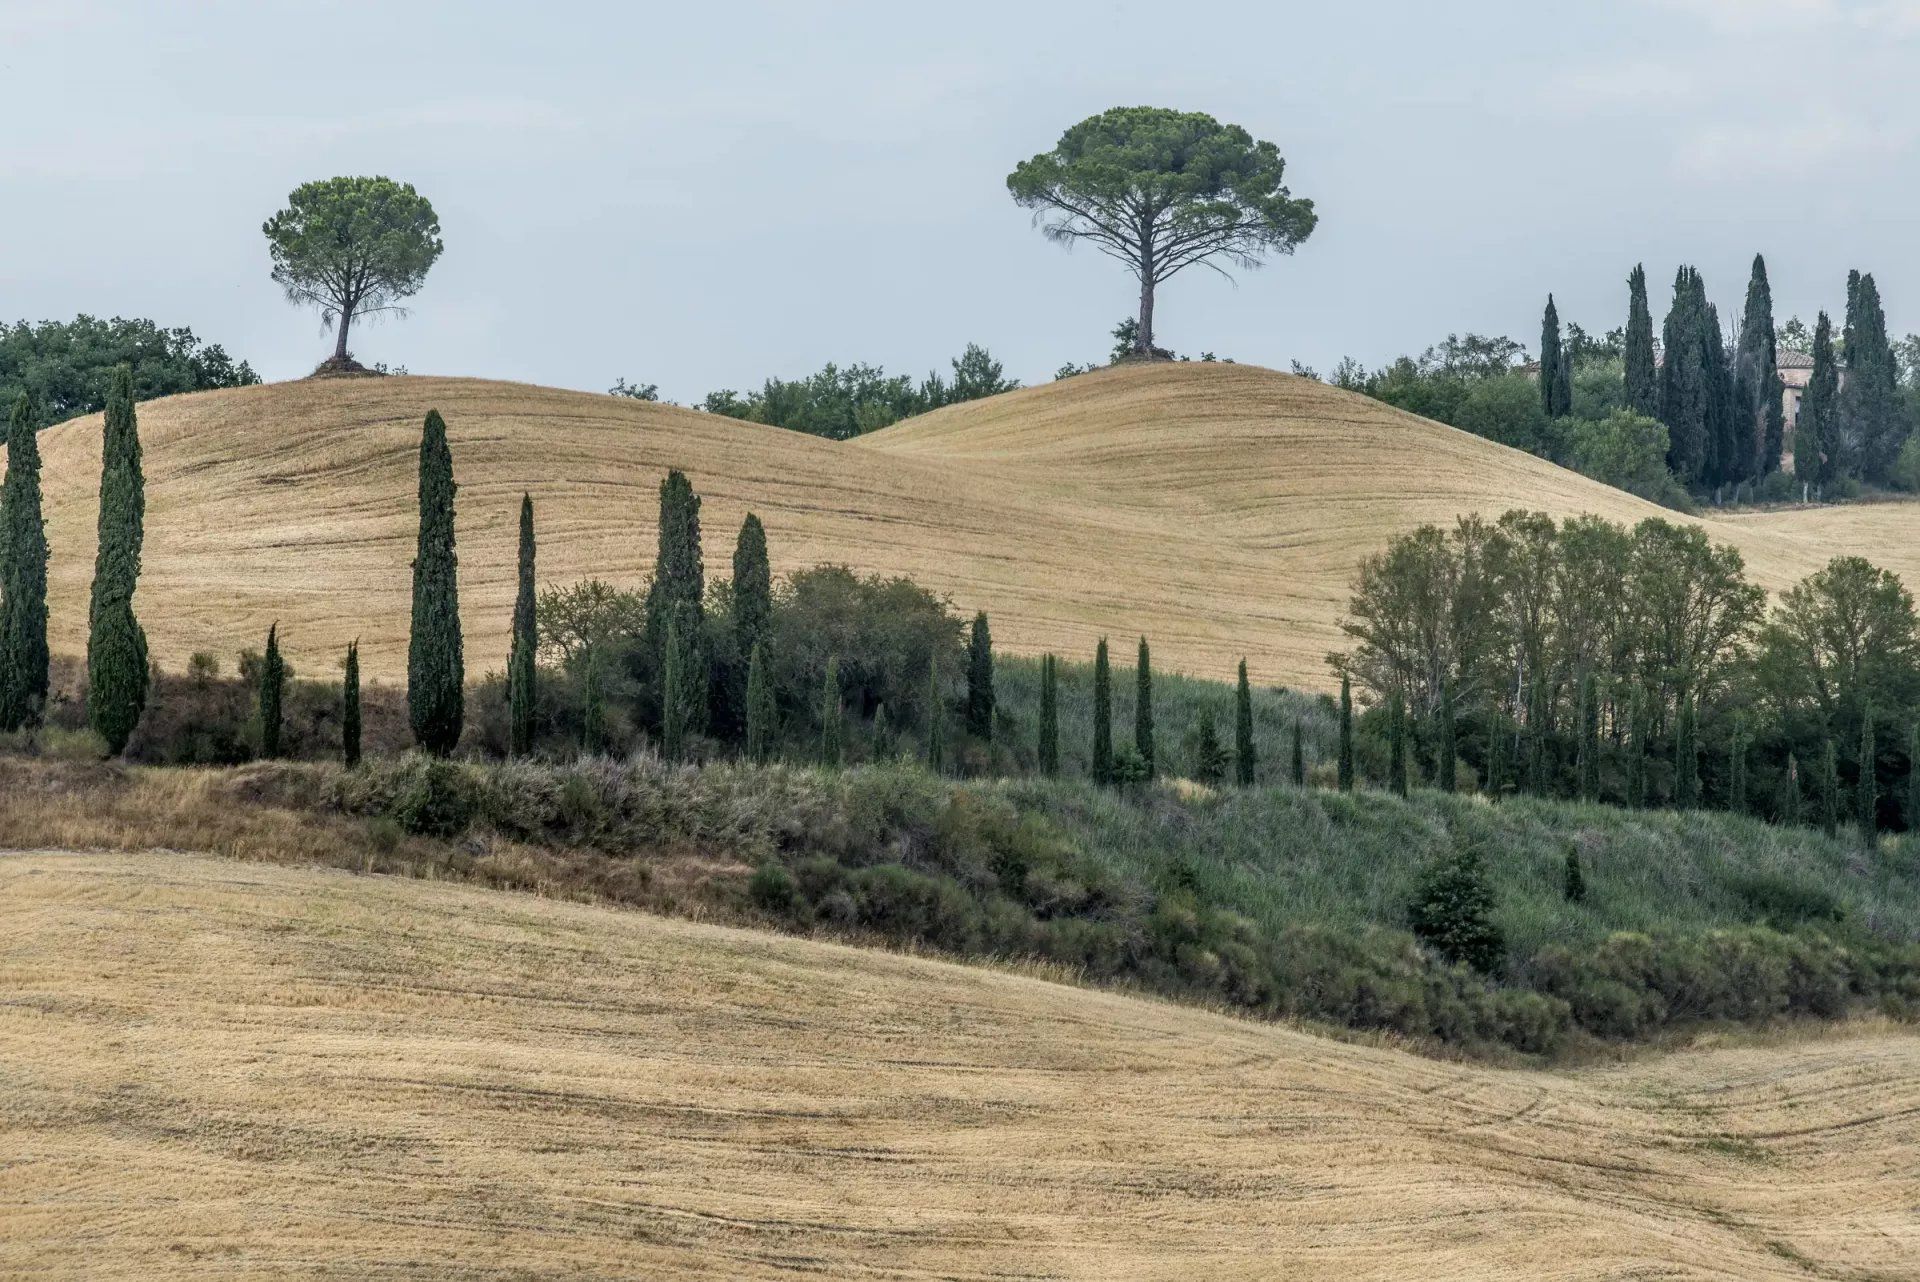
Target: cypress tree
x=1102, y=717
x=526, y=641
x=1866, y=792
x=760, y=707
x=1496, y=780
x=1587, y=765
x=1244, y=760
x=1913, y=778
x=24, y=657
x=116, y=646
x=1639, y=757
x=1686, y=393
x=679, y=584
x=1789, y=803
x=936, y=721
x=1346, y=733
x=1447, y=776
x=675, y=681
x=980, y=679
x=350, y=709
x=593, y=717
x=1870, y=409
x=1816, y=445
x=1143, y=711
x=1643, y=383
x=1298, y=770
x=1830, y=790
x=832, y=716
x=1686, y=759
x=1554, y=366
x=1049, y=717
x=1759, y=365
x=270, y=695
x=1573, y=879
x=1209, y=754
x=752, y=584
x=1397, y=744
x=1737, y=773
x=436, y=670
x=1537, y=745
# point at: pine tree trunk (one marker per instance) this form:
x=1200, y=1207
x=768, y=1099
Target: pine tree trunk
x=1143, y=340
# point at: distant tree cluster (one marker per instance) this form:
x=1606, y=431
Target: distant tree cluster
x=843, y=402
x=66, y=368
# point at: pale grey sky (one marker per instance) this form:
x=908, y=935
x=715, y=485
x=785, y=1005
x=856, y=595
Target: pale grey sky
x=703, y=194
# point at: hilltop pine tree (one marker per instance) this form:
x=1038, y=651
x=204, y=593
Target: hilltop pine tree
x=1143, y=711
x=760, y=706
x=1829, y=790
x=1642, y=373
x=936, y=721
x=1553, y=374
x=832, y=716
x=1346, y=733
x=1866, y=792
x=1244, y=760
x=1686, y=759
x=116, y=645
x=1447, y=776
x=1102, y=718
x=350, y=708
x=1758, y=365
x=980, y=679
x=521, y=671
x=24, y=658
x=436, y=669
x=1397, y=745
x=270, y=695
x=1049, y=717
x=1297, y=766
x=1816, y=445
x=752, y=584
x=593, y=699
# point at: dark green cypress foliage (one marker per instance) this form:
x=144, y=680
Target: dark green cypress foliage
x=832, y=716
x=1447, y=776
x=1870, y=409
x=24, y=657
x=980, y=679
x=1245, y=760
x=1686, y=391
x=1143, y=711
x=1298, y=766
x=1816, y=445
x=679, y=584
x=270, y=695
x=1497, y=737
x=1913, y=778
x=1049, y=716
x=1643, y=381
x=1397, y=762
x=521, y=670
x=1866, y=791
x=117, y=671
x=1830, y=790
x=1346, y=733
x=1102, y=717
x=1759, y=366
x=436, y=668
x=1552, y=364
x=1573, y=879
x=1209, y=754
x=752, y=584
x=1686, y=759
x=1537, y=742
x=1639, y=753
x=350, y=709
x=593, y=697
x=1789, y=804
x=936, y=721
x=675, y=682
x=1737, y=773
x=760, y=706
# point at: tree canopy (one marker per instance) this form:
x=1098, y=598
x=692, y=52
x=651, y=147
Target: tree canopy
x=66, y=367
x=352, y=247
x=1161, y=190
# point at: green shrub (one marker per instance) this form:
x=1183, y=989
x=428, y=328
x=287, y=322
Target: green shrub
x=1452, y=912
x=773, y=889
x=437, y=798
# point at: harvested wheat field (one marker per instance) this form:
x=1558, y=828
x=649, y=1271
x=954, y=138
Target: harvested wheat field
x=1221, y=509
x=219, y=1069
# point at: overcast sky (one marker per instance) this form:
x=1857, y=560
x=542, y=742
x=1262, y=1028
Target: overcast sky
x=700, y=195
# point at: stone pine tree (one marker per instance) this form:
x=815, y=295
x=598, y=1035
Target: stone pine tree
x=1829, y=790
x=436, y=668
x=24, y=658
x=760, y=705
x=1866, y=791
x=1550, y=363
x=1397, y=762
x=832, y=716
x=271, y=694
x=521, y=672
x=350, y=708
x=1447, y=775
x=1143, y=710
x=1346, y=733
x=1102, y=717
x=936, y=721
x=1757, y=366
x=1642, y=372
x=1049, y=716
x=1816, y=445
x=116, y=645
x=980, y=700
x=752, y=584
x=1244, y=759
x=1298, y=765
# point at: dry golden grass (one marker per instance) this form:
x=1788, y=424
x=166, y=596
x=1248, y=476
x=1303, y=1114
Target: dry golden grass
x=1221, y=509
x=216, y=1069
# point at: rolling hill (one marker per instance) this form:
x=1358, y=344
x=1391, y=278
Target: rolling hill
x=1220, y=509
x=222, y=1069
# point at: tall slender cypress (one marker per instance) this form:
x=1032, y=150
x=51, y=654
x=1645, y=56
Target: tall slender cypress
x=752, y=584
x=270, y=694
x=1643, y=383
x=116, y=644
x=1737, y=773
x=1143, y=710
x=1789, y=805
x=1686, y=380
x=936, y=721
x=832, y=716
x=1829, y=790
x=1346, y=733
x=1049, y=716
x=1758, y=364
x=1870, y=410
x=1686, y=759
x=1102, y=717
x=1448, y=774
x=436, y=668
x=1816, y=444
x=1244, y=760
x=521, y=672
x=679, y=584
x=350, y=708
x=674, y=683
x=1552, y=375
x=24, y=658
x=1913, y=778
x=1588, y=764
x=760, y=706
x=980, y=701
x=593, y=696
x=1397, y=761
x=1866, y=791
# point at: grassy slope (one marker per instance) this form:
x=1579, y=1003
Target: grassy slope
x=1219, y=509
x=232, y=1070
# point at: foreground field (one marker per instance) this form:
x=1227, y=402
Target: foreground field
x=217, y=1069
x=1220, y=509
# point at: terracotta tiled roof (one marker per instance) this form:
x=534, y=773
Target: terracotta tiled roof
x=1788, y=358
